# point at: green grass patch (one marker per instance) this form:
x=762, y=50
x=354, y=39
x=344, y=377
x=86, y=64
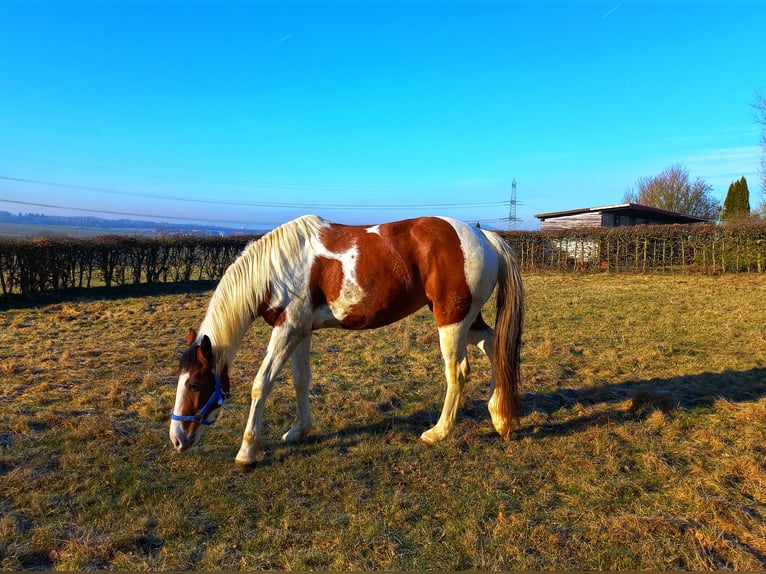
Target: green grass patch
x=642, y=440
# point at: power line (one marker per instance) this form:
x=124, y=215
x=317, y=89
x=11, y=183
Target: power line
x=379, y=187
x=127, y=214
x=294, y=205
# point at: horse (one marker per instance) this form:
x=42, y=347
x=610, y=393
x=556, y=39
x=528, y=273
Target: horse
x=310, y=274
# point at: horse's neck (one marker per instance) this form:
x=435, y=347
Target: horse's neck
x=226, y=322
x=269, y=266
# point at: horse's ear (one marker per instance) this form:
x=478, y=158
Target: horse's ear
x=205, y=352
x=191, y=337
x=206, y=346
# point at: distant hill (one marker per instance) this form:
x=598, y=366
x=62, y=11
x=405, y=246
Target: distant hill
x=32, y=224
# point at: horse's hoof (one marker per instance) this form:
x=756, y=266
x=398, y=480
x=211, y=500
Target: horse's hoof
x=243, y=467
x=294, y=436
x=425, y=439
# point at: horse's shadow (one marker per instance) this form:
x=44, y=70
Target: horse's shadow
x=101, y=293
x=635, y=400
x=628, y=401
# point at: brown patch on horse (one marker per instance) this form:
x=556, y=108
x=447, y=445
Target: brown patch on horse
x=274, y=316
x=399, y=270
x=383, y=297
x=325, y=281
x=445, y=282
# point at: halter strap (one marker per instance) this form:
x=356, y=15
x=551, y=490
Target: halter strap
x=216, y=397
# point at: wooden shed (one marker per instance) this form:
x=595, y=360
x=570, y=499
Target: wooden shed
x=613, y=216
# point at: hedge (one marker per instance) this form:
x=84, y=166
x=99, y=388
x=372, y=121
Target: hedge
x=46, y=265
x=49, y=265
x=730, y=248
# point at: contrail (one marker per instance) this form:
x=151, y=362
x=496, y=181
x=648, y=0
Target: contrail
x=284, y=39
x=612, y=11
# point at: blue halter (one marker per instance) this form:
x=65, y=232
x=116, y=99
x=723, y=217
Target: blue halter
x=217, y=397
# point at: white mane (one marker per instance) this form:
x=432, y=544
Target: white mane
x=263, y=263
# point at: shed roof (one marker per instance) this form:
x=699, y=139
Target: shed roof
x=629, y=209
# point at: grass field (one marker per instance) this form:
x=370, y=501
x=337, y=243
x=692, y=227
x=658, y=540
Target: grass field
x=642, y=442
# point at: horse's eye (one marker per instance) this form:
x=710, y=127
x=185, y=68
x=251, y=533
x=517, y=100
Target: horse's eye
x=193, y=387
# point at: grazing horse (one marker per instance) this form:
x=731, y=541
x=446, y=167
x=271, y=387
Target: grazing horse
x=310, y=274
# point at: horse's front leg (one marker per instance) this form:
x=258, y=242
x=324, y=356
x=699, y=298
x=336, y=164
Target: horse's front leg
x=282, y=343
x=301, y=364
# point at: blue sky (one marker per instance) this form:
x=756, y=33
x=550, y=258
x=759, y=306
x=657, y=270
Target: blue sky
x=252, y=113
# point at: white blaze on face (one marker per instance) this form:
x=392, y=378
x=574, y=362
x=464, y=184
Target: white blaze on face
x=177, y=436
x=180, y=393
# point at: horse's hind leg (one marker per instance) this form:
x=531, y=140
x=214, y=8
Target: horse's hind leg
x=301, y=365
x=481, y=335
x=453, y=346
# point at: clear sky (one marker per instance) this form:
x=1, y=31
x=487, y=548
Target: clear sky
x=252, y=113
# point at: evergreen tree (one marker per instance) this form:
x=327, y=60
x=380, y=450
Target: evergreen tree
x=737, y=203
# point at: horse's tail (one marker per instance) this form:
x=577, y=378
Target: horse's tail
x=504, y=404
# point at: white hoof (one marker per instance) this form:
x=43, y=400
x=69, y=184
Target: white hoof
x=295, y=434
x=502, y=426
x=432, y=436
x=247, y=453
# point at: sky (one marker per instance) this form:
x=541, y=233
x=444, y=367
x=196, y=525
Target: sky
x=252, y=113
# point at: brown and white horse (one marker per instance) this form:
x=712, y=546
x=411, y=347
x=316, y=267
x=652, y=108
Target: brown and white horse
x=310, y=274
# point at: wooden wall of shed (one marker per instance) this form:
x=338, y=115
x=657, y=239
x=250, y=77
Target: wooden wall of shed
x=588, y=219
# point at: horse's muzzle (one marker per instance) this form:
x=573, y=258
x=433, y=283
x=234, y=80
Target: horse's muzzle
x=179, y=440
x=179, y=445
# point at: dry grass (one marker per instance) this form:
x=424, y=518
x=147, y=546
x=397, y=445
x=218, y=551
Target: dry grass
x=642, y=443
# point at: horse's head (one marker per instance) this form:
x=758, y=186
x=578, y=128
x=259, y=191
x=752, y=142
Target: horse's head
x=199, y=395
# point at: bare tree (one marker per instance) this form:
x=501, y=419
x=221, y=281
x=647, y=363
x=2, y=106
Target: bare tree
x=760, y=117
x=672, y=190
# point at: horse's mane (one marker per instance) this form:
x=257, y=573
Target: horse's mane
x=263, y=263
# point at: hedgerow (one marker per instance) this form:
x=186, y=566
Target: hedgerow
x=730, y=248
x=50, y=265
